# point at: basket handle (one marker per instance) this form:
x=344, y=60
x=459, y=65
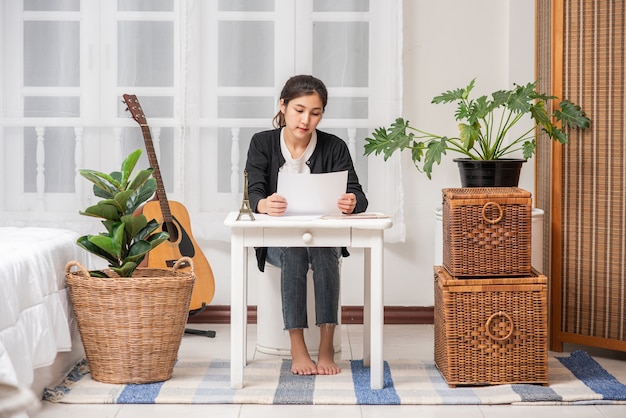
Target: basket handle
x=496, y=220
x=183, y=262
x=488, y=326
x=74, y=263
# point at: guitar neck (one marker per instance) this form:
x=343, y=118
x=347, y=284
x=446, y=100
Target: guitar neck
x=154, y=163
x=181, y=242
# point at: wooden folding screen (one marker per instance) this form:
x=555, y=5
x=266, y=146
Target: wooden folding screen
x=582, y=186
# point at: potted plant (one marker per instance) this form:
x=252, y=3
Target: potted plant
x=485, y=124
x=129, y=235
x=131, y=320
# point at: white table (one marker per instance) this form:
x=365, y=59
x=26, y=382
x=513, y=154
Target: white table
x=265, y=231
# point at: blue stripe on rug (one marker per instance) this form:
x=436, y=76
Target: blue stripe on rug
x=293, y=389
x=459, y=395
x=594, y=376
x=534, y=393
x=367, y=396
x=142, y=393
x=214, y=386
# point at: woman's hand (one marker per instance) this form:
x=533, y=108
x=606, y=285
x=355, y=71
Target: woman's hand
x=273, y=205
x=347, y=203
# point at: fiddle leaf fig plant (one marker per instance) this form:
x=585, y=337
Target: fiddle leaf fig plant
x=485, y=124
x=129, y=235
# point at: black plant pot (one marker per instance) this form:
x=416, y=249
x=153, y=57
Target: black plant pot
x=489, y=173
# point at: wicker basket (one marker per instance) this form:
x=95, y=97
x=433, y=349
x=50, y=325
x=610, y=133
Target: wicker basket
x=487, y=231
x=131, y=328
x=491, y=331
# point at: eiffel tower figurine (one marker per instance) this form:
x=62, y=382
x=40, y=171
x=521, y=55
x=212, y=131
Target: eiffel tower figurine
x=245, y=203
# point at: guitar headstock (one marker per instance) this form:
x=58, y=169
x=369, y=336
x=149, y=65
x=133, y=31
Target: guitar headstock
x=135, y=108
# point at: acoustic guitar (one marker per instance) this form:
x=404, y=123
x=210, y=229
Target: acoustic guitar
x=174, y=219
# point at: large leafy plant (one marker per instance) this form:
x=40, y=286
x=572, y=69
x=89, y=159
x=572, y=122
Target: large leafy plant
x=129, y=235
x=485, y=124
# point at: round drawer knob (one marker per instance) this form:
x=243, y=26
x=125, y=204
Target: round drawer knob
x=307, y=237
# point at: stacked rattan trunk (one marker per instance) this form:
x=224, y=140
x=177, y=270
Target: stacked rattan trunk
x=490, y=305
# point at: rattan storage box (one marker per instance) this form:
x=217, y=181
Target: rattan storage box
x=491, y=331
x=487, y=231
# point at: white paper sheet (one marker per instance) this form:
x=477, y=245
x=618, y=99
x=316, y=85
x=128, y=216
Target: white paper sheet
x=312, y=194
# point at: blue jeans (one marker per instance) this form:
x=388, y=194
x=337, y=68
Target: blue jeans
x=294, y=264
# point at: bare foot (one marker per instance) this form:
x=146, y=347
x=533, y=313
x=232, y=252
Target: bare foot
x=301, y=362
x=327, y=365
x=326, y=358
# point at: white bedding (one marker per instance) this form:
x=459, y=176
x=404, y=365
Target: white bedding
x=35, y=317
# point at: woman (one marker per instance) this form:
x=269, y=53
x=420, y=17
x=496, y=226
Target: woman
x=296, y=146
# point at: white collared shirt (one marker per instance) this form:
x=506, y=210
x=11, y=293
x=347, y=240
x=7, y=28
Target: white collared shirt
x=297, y=165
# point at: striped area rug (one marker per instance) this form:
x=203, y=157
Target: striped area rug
x=577, y=378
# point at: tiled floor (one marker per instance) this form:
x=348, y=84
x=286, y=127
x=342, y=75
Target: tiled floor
x=401, y=341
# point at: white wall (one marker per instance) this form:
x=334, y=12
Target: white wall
x=446, y=44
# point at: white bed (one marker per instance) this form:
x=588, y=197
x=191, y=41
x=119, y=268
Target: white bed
x=39, y=340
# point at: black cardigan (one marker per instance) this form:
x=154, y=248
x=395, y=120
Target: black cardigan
x=265, y=158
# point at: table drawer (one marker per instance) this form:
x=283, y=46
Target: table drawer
x=304, y=237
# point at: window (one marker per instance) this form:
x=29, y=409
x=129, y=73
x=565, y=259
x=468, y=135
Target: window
x=207, y=75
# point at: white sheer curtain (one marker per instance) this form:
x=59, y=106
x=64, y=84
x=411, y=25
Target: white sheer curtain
x=207, y=74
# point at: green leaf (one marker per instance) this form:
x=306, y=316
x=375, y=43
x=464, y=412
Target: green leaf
x=128, y=165
x=521, y=98
x=500, y=98
x=387, y=141
x=158, y=238
x=102, y=210
x=141, y=177
x=433, y=154
x=480, y=108
x=111, y=243
x=559, y=135
x=538, y=96
x=469, y=88
x=453, y=95
x=571, y=115
x=122, y=199
x=145, y=192
x=108, y=245
x=126, y=270
x=418, y=151
x=115, y=202
x=528, y=149
x=134, y=224
x=105, y=185
x=85, y=243
x=469, y=134
x=138, y=249
x=109, y=224
x=378, y=143
x=540, y=115
x=150, y=227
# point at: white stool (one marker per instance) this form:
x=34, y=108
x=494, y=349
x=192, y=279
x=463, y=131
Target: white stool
x=271, y=336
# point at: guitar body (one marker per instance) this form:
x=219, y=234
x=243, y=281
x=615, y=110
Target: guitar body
x=181, y=244
x=174, y=219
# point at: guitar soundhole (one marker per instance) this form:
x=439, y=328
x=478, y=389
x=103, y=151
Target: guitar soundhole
x=171, y=229
x=180, y=237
